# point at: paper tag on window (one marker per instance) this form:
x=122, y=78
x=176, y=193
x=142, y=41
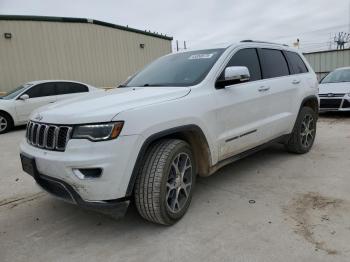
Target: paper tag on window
x=200, y=56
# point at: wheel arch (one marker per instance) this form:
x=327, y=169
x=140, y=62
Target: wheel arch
x=310, y=101
x=192, y=134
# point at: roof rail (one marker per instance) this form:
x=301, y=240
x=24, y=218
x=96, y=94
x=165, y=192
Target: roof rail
x=262, y=42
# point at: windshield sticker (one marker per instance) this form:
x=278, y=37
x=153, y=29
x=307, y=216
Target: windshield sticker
x=201, y=56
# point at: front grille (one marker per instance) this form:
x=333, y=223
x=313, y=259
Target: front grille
x=330, y=103
x=51, y=137
x=331, y=95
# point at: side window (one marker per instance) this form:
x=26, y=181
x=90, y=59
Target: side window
x=273, y=63
x=41, y=90
x=78, y=88
x=297, y=64
x=249, y=58
x=64, y=88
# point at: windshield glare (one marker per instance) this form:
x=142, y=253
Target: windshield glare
x=342, y=75
x=181, y=69
x=12, y=94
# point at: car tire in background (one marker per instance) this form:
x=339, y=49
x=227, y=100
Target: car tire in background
x=6, y=123
x=304, y=132
x=165, y=182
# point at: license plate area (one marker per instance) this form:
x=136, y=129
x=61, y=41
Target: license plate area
x=29, y=165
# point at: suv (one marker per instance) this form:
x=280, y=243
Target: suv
x=184, y=114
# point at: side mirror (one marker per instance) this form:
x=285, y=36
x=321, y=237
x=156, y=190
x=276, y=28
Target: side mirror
x=233, y=75
x=24, y=97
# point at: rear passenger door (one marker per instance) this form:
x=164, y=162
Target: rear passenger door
x=280, y=92
x=70, y=89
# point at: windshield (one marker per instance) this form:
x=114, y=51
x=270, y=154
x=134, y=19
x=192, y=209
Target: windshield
x=342, y=75
x=182, y=69
x=12, y=94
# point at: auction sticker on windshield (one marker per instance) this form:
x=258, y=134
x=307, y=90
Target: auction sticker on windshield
x=201, y=56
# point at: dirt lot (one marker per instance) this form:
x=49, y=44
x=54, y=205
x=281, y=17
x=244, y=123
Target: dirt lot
x=272, y=206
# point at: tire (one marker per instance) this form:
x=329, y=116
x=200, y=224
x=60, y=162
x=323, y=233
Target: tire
x=304, y=132
x=162, y=193
x=5, y=123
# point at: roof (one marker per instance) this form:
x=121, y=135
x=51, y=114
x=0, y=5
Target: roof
x=326, y=51
x=52, y=80
x=81, y=20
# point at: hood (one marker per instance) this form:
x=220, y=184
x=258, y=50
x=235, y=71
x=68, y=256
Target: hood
x=335, y=88
x=103, y=106
x=4, y=103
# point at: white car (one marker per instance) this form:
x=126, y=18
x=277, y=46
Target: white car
x=334, y=91
x=184, y=114
x=17, y=105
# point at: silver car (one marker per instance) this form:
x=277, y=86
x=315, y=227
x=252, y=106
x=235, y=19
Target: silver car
x=335, y=91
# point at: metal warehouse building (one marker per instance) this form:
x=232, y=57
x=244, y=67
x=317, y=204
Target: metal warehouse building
x=91, y=51
x=324, y=62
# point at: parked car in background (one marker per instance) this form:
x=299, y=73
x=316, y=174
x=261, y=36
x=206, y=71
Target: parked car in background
x=334, y=91
x=184, y=114
x=17, y=105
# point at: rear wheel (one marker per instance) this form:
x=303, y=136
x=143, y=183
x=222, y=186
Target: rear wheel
x=303, y=135
x=5, y=123
x=164, y=186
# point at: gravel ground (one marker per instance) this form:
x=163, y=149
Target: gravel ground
x=271, y=206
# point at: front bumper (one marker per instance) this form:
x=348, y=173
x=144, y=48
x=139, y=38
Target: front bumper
x=334, y=103
x=64, y=191
x=116, y=158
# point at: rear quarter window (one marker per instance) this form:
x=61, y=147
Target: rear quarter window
x=273, y=63
x=296, y=63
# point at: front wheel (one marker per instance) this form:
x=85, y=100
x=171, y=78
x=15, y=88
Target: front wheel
x=165, y=182
x=304, y=132
x=5, y=123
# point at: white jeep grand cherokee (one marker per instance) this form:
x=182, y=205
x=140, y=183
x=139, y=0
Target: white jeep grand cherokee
x=184, y=114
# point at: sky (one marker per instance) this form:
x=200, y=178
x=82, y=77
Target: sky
x=206, y=23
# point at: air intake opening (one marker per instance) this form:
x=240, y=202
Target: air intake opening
x=86, y=173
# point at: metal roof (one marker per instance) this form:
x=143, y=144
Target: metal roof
x=81, y=20
x=326, y=51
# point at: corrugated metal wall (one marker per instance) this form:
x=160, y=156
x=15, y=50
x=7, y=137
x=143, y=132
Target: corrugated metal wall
x=90, y=53
x=327, y=61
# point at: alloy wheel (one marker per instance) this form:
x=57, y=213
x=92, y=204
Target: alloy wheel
x=307, y=130
x=179, y=182
x=3, y=123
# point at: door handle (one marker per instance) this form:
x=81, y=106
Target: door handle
x=263, y=88
x=296, y=81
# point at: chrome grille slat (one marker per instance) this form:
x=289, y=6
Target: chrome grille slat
x=51, y=137
x=45, y=135
x=55, y=137
x=31, y=133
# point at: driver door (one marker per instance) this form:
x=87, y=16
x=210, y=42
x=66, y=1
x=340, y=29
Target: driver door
x=39, y=95
x=241, y=108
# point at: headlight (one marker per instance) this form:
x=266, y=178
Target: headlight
x=98, y=132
